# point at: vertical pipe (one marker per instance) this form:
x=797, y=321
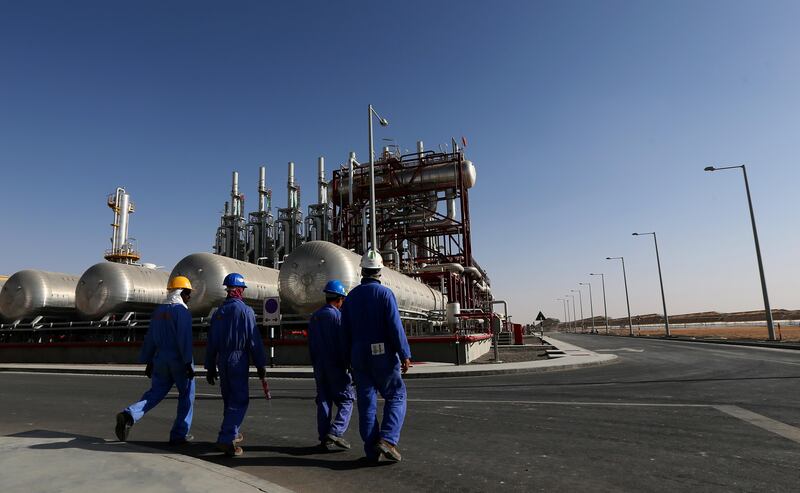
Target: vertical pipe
x=236, y=206
x=290, y=187
x=321, y=183
x=262, y=188
x=364, y=229
x=372, y=215
x=124, y=205
x=350, y=162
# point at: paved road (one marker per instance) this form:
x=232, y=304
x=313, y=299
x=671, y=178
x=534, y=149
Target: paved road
x=669, y=416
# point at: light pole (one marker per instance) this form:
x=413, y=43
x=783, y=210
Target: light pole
x=660, y=280
x=372, y=216
x=605, y=306
x=591, y=304
x=565, y=312
x=580, y=298
x=767, y=309
x=574, y=318
x=627, y=301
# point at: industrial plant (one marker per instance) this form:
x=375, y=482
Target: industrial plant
x=419, y=220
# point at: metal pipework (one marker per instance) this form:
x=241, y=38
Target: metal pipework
x=262, y=188
x=448, y=267
x=350, y=163
x=124, y=204
x=235, y=197
x=290, y=188
x=322, y=185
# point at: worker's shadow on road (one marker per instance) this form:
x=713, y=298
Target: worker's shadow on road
x=57, y=440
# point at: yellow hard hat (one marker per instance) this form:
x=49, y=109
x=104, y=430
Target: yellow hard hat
x=179, y=282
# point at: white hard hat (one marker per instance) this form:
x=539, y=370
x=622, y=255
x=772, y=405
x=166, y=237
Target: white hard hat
x=371, y=260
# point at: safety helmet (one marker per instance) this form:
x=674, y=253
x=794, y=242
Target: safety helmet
x=372, y=260
x=179, y=282
x=234, y=280
x=335, y=286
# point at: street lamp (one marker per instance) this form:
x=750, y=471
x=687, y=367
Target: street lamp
x=767, y=309
x=565, y=312
x=660, y=280
x=574, y=318
x=372, y=216
x=605, y=307
x=591, y=304
x=627, y=301
x=580, y=298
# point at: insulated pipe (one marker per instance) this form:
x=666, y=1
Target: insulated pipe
x=115, y=237
x=473, y=271
x=364, y=229
x=449, y=267
x=122, y=238
x=290, y=187
x=236, y=209
x=322, y=185
x=262, y=188
x=350, y=163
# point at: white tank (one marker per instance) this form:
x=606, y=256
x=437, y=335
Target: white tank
x=109, y=287
x=29, y=293
x=206, y=272
x=306, y=270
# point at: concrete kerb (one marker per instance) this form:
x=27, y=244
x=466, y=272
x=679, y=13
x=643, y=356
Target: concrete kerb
x=575, y=357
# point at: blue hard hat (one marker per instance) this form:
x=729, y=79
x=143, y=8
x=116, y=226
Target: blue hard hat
x=234, y=280
x=335, y=287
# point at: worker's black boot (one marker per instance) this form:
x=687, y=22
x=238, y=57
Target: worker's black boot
x=124, y=425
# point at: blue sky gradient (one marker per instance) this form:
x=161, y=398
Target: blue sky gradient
x=586, y=120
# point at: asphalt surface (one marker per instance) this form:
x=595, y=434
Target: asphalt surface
x=670, y=416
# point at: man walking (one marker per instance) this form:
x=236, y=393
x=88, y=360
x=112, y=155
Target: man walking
x=379, y=352
x=233, y=339
x=330, y=359
x=167, y=351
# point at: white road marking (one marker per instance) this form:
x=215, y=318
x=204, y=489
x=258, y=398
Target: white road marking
x=729, y=354
x=564, y=403
x=763, y=422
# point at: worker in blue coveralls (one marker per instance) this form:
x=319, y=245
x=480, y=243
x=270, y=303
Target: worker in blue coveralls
x=331, y=362
x=233, y=340
x=167, y=352
x=378, y=353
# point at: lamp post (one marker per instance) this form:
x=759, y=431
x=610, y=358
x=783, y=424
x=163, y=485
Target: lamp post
x=372, y=216
x=565, y=312
x=574, y=318
x=605, y=306
x=767, y=309
x=627, y=300
x=591, y=304
x=660, y=280
x=580, y=298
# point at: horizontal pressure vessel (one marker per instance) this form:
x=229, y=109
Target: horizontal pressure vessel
x=29, y=293
x=306, y=270
x=442, y=176
x=109, y=287
x=206, y=272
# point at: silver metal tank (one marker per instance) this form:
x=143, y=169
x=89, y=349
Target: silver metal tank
x=434, y=177
x=206, y=272
x=306, y=270
x=110, y=287
x=29, y=293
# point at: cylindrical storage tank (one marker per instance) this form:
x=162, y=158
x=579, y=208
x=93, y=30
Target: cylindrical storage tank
x=419, y=179
x=306, y=270
x=206, y=272
x=109, y=287
x=30, y=293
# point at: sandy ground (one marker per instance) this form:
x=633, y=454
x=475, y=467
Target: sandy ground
x=745, y=333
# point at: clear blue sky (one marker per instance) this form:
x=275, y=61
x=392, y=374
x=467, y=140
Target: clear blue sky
x=586, y=120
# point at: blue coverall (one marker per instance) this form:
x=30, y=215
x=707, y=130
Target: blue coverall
x=232, y=340
x=330, y=358
x=371, y=322
x=168, y=346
